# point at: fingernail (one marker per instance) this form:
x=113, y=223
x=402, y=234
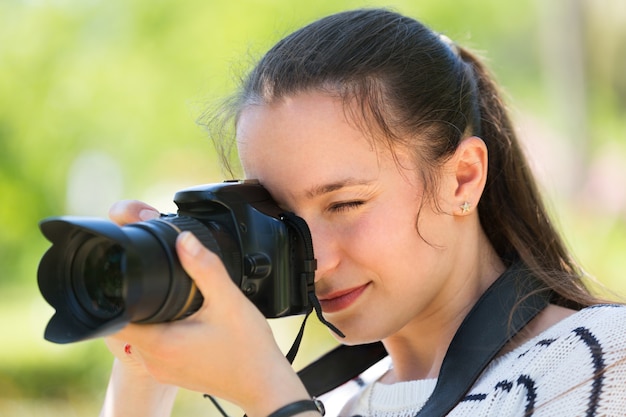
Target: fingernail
x=147, y=214
x=190, y=244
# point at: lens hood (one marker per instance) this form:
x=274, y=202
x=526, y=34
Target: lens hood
x=71, y=322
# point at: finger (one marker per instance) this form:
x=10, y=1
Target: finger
x=209, y=275
x=131, y=211
x=202, y=264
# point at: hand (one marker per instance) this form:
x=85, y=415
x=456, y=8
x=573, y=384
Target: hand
x=132, y=390
x=225, y=349
x=122, y=213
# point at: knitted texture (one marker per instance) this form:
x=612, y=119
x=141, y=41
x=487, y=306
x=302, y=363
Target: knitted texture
x=575, y=368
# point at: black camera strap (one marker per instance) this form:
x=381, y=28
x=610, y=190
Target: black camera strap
x=512, y=301
x=307, y=273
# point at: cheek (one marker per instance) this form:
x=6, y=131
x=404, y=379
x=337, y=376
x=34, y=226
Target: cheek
x=384, y=236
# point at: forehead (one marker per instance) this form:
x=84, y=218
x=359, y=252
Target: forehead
x=305, y=140
x=310, y=119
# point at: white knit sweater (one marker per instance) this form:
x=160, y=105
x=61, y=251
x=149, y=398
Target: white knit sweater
x=575, y=368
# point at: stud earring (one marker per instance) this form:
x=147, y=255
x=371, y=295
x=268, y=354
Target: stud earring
x=465, y=207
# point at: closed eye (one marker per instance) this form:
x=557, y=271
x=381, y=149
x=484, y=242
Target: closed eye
x=345, y=206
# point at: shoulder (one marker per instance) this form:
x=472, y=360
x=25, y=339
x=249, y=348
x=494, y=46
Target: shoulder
x=602, y=329
x=594, y=332
x=603, y=323
x=578, y=364
x=604, y=311
x=560, y=331
x=600, y=315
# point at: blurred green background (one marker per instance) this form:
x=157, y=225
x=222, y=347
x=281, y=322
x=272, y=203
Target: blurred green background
x=98, y=102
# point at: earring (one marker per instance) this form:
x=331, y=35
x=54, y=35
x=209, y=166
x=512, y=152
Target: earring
x=465, y=207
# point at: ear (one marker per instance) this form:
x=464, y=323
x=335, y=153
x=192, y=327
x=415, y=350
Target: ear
x=469, y=166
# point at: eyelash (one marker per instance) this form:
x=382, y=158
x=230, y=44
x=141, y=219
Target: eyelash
x=348, y=205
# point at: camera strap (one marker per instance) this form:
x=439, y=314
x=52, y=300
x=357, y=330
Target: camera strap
x=307, y=273
x=512, y=301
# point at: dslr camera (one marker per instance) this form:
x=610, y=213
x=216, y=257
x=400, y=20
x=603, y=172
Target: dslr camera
x=99, y=276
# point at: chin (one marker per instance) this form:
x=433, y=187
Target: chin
x=354, y=335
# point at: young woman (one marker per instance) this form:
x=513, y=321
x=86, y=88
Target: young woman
x=395, y=147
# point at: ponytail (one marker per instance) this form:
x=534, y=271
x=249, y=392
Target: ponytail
x=511, y=210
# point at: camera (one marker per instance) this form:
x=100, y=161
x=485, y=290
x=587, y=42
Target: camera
x=99, y=276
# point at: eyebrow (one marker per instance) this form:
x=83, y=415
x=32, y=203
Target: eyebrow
x=318, y=190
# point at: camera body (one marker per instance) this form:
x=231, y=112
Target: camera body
x=99, y=276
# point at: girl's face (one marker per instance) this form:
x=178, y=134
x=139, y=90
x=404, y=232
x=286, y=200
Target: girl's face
x=375, y=274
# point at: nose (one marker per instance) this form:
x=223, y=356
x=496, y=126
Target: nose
x=326, y=247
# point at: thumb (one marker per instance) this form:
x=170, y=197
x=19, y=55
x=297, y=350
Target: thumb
x=202, y=265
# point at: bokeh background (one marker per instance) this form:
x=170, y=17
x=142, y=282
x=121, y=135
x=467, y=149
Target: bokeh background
x=99, y=101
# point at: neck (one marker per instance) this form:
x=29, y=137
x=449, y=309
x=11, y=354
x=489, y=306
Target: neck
x=418, y=349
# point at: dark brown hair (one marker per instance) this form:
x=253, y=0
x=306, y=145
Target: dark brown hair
x=419, y=90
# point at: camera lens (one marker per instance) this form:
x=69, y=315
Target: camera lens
x=98, y=277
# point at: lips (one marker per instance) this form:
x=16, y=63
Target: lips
x=340, y=300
